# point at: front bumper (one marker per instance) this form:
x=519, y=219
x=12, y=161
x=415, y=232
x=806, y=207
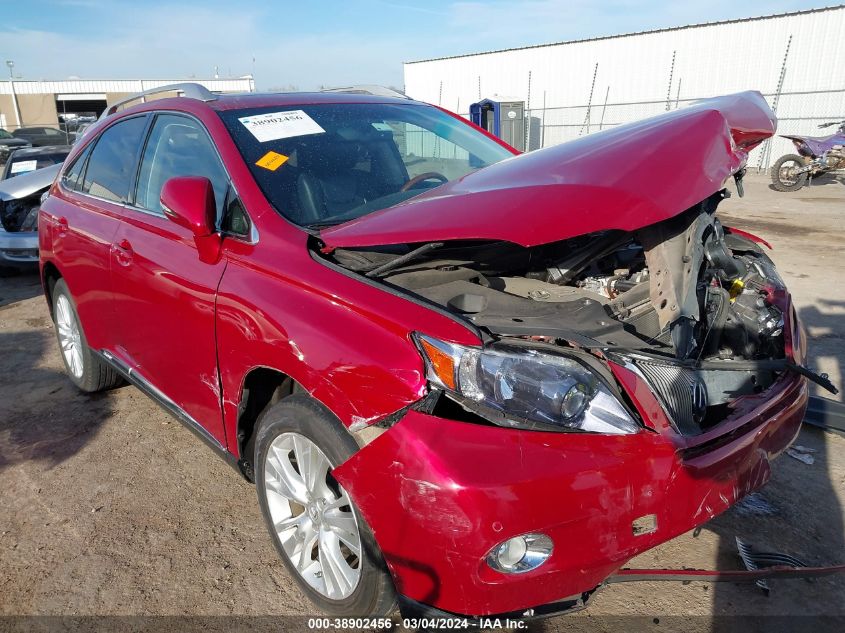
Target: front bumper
x=19, y=250
x=439, y=494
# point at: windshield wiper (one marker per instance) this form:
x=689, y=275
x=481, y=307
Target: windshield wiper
x=324, y=224
x=404, y=259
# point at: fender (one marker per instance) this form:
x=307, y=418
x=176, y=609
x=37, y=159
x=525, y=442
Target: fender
x=267, y=316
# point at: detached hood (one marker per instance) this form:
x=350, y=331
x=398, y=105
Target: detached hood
x=623, y=178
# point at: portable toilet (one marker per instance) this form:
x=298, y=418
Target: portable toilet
x=503, y=117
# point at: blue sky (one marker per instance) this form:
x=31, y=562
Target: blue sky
x=305, y=45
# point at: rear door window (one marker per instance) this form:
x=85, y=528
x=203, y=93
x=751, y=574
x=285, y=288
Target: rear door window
x=178, y=146
x=111, y=168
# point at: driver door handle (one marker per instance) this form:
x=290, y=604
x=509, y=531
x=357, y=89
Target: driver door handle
x=122, y=252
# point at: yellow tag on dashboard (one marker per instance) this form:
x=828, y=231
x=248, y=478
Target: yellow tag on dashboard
x=272, y=160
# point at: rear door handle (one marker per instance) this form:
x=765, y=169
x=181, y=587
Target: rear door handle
x=122, y=252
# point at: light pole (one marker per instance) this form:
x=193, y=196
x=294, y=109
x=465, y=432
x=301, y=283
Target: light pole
x=11, y=66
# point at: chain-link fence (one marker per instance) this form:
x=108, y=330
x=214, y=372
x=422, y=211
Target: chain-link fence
x=797, y=112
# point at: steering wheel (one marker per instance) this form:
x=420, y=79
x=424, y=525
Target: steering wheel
x=429, y=175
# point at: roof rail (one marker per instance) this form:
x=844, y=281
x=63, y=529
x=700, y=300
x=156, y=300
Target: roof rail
x=369, y=89
x=190, y=90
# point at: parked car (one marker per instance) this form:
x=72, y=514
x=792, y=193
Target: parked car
x=80, y=130
x=39, y=136
x=472, y=381
x=28, y=159
x=20, y=199
x=8, y=143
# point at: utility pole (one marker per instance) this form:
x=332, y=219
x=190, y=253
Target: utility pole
x=11, y=66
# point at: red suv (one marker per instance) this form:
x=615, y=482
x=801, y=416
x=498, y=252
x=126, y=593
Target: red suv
x=466, y=380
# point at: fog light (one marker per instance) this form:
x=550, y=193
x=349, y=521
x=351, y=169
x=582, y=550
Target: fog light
x=520, y=553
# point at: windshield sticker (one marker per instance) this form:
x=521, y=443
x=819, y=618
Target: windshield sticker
x=382, y=127
x=277, y=125
x=272, y=160
x=24, y=166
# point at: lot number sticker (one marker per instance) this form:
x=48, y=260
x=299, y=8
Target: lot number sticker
x=277, y=125
x=23, y=166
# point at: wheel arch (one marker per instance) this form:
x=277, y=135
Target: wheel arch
x=50, y=274
x=261, y=387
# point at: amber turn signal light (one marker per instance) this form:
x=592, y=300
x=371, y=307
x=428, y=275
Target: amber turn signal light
x=440, y=363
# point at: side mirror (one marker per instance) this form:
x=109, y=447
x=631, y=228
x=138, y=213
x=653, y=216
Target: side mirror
x=189, y=202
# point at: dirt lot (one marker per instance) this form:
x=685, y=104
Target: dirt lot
x=110, y=507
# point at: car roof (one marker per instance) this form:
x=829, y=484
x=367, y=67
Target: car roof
x=237, y=101
x=284, y=99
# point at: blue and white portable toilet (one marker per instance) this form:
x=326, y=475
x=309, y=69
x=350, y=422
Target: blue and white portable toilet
x=503, y=117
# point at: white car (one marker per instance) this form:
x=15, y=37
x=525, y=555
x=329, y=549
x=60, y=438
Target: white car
x=20, y=199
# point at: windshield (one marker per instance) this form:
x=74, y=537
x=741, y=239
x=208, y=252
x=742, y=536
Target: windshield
x=5, y=134
x=325, y=164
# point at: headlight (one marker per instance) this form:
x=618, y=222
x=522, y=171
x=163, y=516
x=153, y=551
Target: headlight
x=525, y=388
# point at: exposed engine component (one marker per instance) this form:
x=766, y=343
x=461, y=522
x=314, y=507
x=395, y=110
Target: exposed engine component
x=834, y=158
x=671, y=298
x=21, y=214
x=676, y=251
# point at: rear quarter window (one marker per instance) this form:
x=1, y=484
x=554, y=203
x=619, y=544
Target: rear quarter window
x=111, y=167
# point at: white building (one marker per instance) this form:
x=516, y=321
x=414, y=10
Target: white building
x=797, y=60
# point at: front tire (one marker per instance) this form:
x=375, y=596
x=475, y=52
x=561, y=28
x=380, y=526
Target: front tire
x=85, y=370
x=783, y=178
x=316, y=528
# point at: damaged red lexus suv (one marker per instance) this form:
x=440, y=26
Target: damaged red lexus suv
x=464, y=380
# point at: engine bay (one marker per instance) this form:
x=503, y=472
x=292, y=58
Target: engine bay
x=695, y=308
x=20, y=214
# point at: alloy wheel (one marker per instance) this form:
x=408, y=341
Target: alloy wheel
x=70, y=338
x=312, y=516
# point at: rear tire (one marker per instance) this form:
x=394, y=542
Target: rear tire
x=316, y=527
x=83, y=367
x=781, y=181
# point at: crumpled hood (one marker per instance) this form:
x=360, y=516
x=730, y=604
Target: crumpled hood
x=623, y=178
x=26, y=184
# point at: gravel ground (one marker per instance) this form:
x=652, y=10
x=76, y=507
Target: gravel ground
x=110, y=507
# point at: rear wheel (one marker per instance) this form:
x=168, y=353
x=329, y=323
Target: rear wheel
x=85, y=370
x=784, y=173
x=318, y=531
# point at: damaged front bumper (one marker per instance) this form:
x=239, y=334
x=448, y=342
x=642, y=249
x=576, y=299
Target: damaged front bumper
x=440, y=494
x=18, y=250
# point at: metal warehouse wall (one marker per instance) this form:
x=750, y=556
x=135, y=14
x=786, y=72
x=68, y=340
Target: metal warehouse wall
x=39, y=102
x=574, y=88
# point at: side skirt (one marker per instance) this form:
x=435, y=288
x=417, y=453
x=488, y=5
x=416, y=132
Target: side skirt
x=137, y=380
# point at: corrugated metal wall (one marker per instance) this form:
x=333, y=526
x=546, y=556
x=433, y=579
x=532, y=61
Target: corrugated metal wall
x=644, y=74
